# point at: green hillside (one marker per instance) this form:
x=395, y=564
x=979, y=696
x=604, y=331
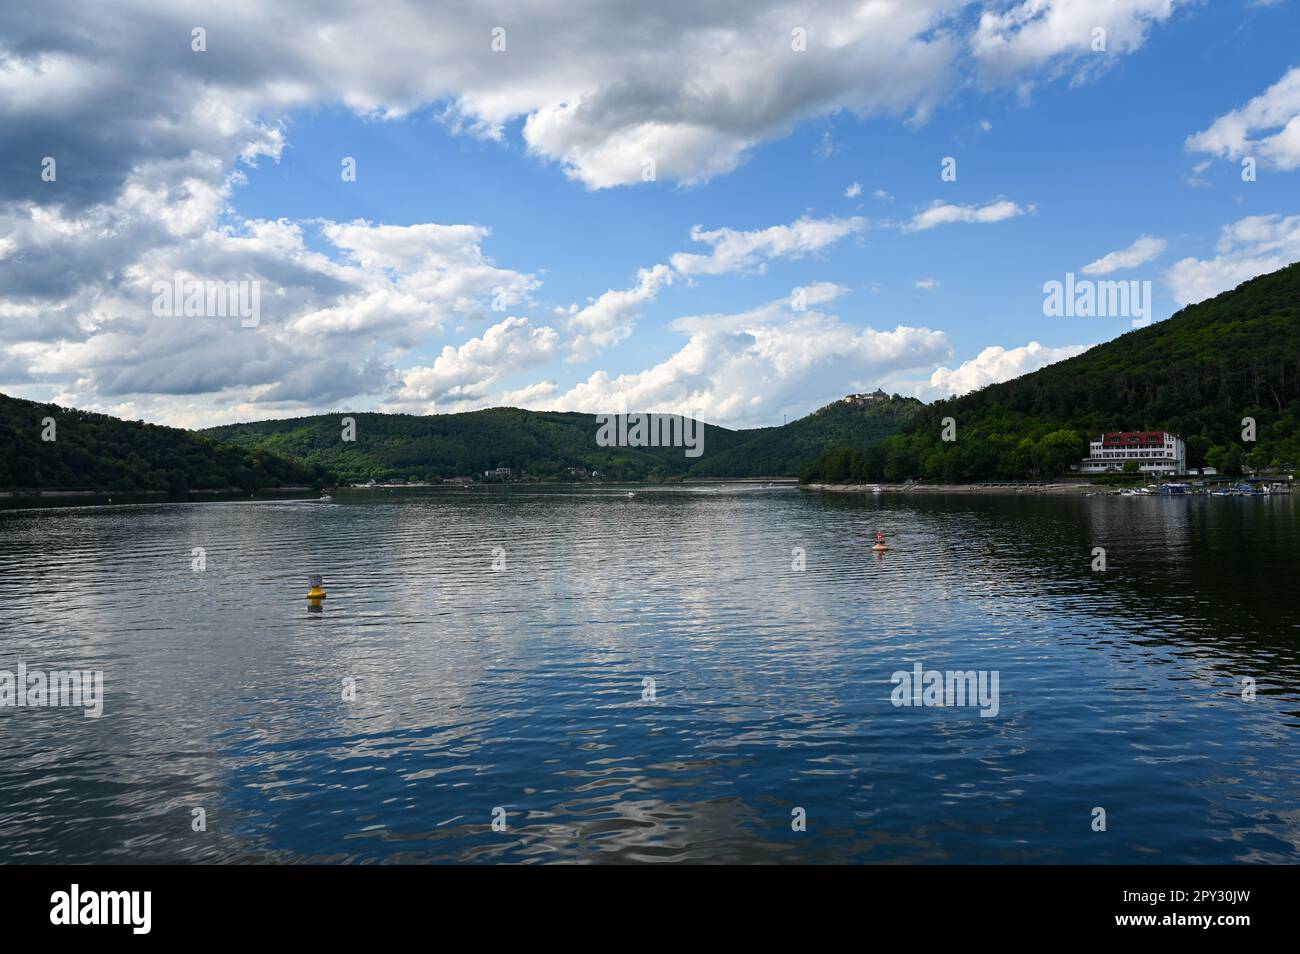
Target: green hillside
x=97, y=452
x=781, y=451
x=541, y=443
x=1196, y=374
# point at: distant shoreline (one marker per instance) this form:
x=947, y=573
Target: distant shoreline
x=34, y=497
x=230, y=491
x=1054, y=488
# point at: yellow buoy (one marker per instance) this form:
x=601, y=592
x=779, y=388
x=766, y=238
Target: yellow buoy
x=316, y=592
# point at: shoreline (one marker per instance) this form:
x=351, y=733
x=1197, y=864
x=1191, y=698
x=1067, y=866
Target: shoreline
x=64, y=494
x=1056, y=489
x=41, y=499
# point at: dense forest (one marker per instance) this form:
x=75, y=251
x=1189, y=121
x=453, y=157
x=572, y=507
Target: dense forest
x=1197, y=374
x=540, y=444
x=94, y=451
x=97, y=452
x=552, y=445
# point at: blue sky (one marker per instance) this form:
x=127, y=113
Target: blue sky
x=371, y=298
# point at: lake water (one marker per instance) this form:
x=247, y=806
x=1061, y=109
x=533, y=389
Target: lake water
x=519, y=693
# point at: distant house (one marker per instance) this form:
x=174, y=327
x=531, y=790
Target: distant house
x=499, y=473
x=1154, y=452
x=876, y=395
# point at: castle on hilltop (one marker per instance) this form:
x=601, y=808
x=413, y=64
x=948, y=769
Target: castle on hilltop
x=876, y=395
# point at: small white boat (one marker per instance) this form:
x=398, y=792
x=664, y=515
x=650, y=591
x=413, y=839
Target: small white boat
x=326, y=498
x=631, y=494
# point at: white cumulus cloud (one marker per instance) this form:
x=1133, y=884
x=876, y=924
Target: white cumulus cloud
x=1275, y=111
x=743, y=369
x=463, y=375
x=1248, y=247
x=609, y=318
x=1143, y=250
x=739, y=250
x=991, y=366
x=944, y=213
x=1062, y=34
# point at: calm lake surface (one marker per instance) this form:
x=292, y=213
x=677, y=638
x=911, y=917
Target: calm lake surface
x=522, y=688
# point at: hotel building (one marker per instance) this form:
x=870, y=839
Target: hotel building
x=1156, y=452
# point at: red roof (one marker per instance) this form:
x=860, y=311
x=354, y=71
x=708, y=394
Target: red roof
x=1133, y=439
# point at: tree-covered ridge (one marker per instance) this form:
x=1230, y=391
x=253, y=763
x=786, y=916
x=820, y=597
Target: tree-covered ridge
x=542, y=444
x=1197, y=374
x=98, y=452
x=781, y=451
x=552, y=445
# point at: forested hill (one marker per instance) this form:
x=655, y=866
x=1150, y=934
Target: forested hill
x=551, y=445
x=781, y=451
x=96, y=452
x=1197, y=374
x=544, y=444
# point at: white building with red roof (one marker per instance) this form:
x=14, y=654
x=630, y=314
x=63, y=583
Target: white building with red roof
x=1156, y=452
